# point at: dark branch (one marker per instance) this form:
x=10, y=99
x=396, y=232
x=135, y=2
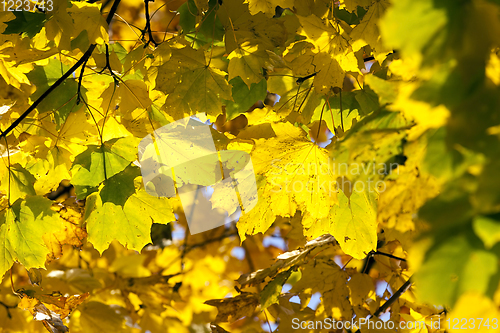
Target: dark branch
x=112, y=11
x=7, y=308
x=393, y=298
x=302, y=79
x=373, y=58
x=387, y=255
x=108, y=67
x=79, y=89
x=147, y=28
x=56, y=84
x=48, y=91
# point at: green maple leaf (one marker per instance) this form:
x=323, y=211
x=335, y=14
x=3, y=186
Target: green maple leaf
x=120, y=211
x=26, y=24
x=18, y=182
x=63, y=100
x=98, y=163
x=272, y=290
x=22, y=227
x=244, y=97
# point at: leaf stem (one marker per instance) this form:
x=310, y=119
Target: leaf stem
x=341, y=117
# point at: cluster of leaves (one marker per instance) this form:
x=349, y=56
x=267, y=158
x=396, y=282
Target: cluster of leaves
x=373, y=137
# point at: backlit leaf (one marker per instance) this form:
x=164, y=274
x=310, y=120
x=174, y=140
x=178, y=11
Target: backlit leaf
x=21, y=229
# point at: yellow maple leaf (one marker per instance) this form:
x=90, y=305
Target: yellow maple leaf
x=268, y=7
x=367, y=31
x=247, y=62
x=352, y=5
x=298, y=177
x=331, y=56
x=204, y=87
x=88, y=17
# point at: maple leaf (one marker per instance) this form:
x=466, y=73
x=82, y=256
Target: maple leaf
x=332, y=282
x=64, y=101
x=123, y=212
x=17, y=182
x=26, y=23
x=50, y=319
x=207, y=85
x=298, y=177
x=60, y=26
x=21, y=229
x=98, y=163
x=268, y=7
x=241, y=26
x=247, y=62
x=87, y=18
x=367, y=31
x=470, y=304
x=412, y=35
x=354, y=223
x=244, y=97
x=331, y=52
x=129, y=95
x=471, y=273
x=95, y=316
x=352, y=5
x=232, y=309
x=272, y=290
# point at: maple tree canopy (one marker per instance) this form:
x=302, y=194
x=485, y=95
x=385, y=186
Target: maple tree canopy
x=373, y=130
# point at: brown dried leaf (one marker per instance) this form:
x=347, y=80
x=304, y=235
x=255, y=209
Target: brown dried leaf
x=232, y=309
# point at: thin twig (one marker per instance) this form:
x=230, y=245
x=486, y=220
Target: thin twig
x=320, y=120
x=268, y=323
x=341, y=117
x=79, y=89
x=10, y=169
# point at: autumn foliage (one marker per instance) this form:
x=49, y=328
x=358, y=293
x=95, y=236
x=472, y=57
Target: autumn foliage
x=373, y=129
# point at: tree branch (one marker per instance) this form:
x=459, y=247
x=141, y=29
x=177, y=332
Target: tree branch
x=7, y=308
x=56, y=84
x=373, y=253
x=147, y=28
x=393, y=298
